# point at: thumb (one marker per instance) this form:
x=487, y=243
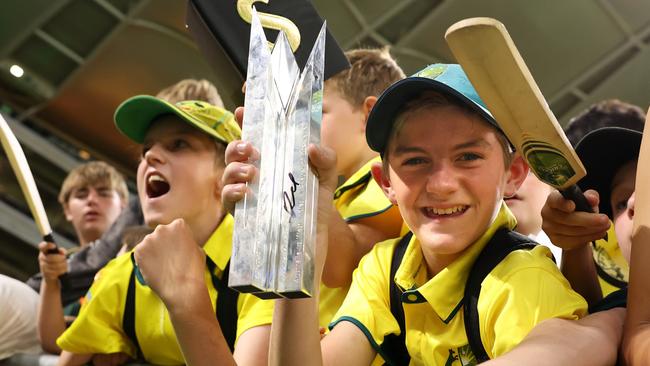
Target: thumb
x=323, y=161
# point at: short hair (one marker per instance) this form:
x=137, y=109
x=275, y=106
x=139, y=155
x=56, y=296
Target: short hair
x=431, y=99
x=93, y=174
x=191, y=89
x=371, y=72
x=607, y=113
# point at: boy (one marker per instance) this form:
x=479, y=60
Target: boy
x=526, y=204
x=609, y=155
x=179, y=185
x=612, y=268
x=447, y=166
x=365, y=216
x=92, y=197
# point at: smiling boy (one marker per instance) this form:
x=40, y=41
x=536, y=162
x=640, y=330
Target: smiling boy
x=179, y=185
x=447, y=167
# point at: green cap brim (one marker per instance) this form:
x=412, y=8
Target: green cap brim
x=134, y=116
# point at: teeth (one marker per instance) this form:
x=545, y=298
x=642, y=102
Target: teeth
x=446, y=211
x=156, y=178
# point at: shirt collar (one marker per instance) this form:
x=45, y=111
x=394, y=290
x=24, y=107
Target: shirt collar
x=445, y=290
x=360, y=176
x=219, y=246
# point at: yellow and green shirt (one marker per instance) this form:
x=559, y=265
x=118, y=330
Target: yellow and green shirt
x=358, y=198
x=609, y=258
x=98, y=328
x=521, y=291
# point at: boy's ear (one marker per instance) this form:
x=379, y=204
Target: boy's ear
x=381, y=177
x=517, y=173
x=368, y=103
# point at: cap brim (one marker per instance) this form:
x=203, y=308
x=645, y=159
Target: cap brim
x=391, y=102
x=603, y=152
x=134, y=116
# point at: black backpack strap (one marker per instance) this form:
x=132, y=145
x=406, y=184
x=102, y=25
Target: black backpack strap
x=128, y=320
x=394, y=346
x=226, y=307
x=500, y=245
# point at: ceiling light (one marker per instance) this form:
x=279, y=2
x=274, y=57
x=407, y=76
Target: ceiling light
x=16, y=71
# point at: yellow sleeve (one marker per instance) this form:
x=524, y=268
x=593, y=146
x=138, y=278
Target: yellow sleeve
x=367, y=303
x=512, y=302
x=253, y=312
x=98, y=328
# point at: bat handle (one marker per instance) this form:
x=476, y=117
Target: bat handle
x=49, y=238
x=574, y=193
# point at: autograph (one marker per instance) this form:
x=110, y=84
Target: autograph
x=290, y=202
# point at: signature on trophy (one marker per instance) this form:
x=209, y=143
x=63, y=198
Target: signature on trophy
x=290, y=201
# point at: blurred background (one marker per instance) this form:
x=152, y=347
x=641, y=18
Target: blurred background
x=65, y=65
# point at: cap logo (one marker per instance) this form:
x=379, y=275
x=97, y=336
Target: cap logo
x=431, y=71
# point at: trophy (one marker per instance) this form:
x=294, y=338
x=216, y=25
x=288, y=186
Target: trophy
x=274, y=238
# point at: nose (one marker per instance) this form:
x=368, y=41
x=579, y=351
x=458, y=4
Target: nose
x=442, y=180
x=154, y=154
x=630, y=206
x=92, y=196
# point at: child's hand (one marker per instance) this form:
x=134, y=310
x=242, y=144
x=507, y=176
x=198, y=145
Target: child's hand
x=171, y=262
x=52, y=265
x=570, y=229
x=238, y=172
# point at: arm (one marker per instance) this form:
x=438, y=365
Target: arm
x=73, y=359
x=636, y=344
x=573, y=231
x=51, y=323
x=590, y=341
x=183, y=290
x=298, y=319
x=351, y=241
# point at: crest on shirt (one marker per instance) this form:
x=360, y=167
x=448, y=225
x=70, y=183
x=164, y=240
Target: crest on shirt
x=461, y=356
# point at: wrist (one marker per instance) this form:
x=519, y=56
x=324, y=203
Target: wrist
x=184, y=298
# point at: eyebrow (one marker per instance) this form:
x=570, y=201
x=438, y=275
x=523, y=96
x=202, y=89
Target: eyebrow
x=479, y=142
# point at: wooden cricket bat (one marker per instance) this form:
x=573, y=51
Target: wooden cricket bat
x=489, y=57
x=20, y=167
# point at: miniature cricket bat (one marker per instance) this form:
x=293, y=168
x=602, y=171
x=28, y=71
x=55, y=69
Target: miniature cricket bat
x=489, y=57
x=19, y=164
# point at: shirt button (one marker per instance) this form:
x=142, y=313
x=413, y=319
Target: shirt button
x=412, y=297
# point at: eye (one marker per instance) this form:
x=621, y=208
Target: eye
x=414, y=161
x=81, y=193
x=105, y=192
x=469, y=157
x=179, y=144
x=145, y=148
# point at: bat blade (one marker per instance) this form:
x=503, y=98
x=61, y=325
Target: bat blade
x=19, y=164
x=489, y=57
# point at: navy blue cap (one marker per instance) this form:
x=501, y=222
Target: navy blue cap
x=603, y=152
x=447, y=79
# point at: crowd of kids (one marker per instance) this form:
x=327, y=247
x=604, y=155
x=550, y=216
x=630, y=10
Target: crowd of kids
x=429, y=225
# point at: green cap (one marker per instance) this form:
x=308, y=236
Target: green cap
x=134, y=116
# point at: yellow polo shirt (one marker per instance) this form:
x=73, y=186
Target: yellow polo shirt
x=521, y=291
x=359, y=197
x=609, y=258
x=98, y=329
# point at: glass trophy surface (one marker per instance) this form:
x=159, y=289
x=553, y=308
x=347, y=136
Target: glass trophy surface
x=274, y=239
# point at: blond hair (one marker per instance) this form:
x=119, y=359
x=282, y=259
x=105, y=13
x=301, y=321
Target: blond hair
x=93, y=174
x=371, y=72
x=191, y=89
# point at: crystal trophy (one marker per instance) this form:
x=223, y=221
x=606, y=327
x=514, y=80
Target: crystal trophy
x=275, y=224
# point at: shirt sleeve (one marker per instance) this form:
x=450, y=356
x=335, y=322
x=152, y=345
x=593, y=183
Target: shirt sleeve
x=253, y=312
x=367, y=303
x=515, y=301
x=98, y=328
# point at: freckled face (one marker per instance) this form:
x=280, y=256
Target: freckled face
x=447, y=176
